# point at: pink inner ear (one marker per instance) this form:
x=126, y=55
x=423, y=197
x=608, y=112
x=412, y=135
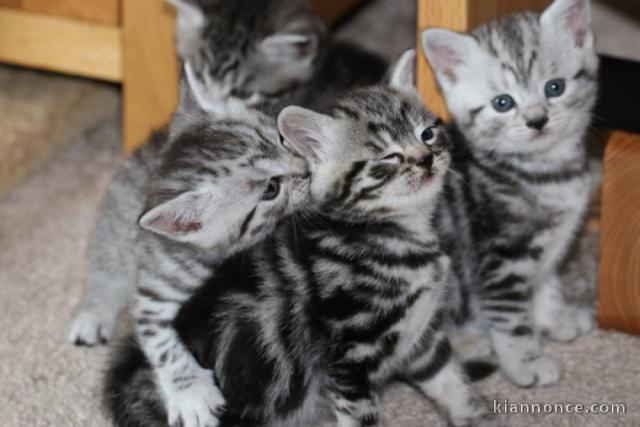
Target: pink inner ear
x=447, y=59
x=578, y=22
x=171, y=225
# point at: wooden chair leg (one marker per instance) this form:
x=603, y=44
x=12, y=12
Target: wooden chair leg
x=457, y=15
x=150, y=70
x=619, y=292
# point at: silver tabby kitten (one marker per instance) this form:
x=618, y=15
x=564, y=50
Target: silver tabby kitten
x=256, y=49
x=271, y=52
x=521, y=90
x=329, y=309
x=232, y=56
x=222, y=182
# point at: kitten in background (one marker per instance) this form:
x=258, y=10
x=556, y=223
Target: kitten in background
x=521, y=90
x=271, y=53
x=337, y=303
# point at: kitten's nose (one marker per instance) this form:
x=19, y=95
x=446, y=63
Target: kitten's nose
x=538, y=122
x=426, y=162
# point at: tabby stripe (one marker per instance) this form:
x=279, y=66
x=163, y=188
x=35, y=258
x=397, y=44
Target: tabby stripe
x=247, y=220
x=155, y=296
x=506, y=283
x=503, y=308
x=356, y=168
x=440, y=357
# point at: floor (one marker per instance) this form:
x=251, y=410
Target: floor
x=44, y=224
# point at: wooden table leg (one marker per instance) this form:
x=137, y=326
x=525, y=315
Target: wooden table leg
x=457, y=15
x=619, y=292
x=150, y=68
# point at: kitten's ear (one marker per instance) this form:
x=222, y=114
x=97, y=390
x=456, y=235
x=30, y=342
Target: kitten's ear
x=290, y=47
x=192, y=217
x=571, y=15
x=197, y=90
x=304, y=129
x=403, y=72
x=447, y=51
x=190, y=21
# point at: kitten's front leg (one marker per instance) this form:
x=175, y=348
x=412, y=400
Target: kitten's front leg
x=506, y=304
x=191, y=396
x=554, y=317
x=438, y=375
x=354, y=401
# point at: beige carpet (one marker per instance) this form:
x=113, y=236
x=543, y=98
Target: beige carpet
x=42, y=112
x=44, y=224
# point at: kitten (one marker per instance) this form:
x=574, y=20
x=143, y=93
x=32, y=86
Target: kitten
x=236, y=69
x=521, y=89
x=330, y=308
x=255, y=49
x=287, y=58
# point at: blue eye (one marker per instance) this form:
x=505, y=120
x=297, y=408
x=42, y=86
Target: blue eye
x=272, y=190
x=554, y=88
x=503, y=103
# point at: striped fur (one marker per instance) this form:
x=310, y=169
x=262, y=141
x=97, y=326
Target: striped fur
x=342, y=298
x=205, y=199
x=270, y=52
x=231, y=31
x=519, y=189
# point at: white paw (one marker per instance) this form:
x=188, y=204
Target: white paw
x=571, y=323
x=91, y=326
x=540, y=371
x=480, y=415
x=198, y=405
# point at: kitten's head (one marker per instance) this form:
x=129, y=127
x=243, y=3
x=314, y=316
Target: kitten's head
x=378, y=154
x=522, y=83
x=224, y=179
x=258, y=50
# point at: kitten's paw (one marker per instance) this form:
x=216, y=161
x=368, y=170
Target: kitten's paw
x=569, y=324
x=199, y=405
x=91, y=326
x=539, y=371
x=480, y=416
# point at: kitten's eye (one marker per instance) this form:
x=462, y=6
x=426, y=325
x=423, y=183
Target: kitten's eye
x=240, y=93
x=272, y=190
x=554, y=88
x=427, y=135
x=393, y=156
x=503, y=103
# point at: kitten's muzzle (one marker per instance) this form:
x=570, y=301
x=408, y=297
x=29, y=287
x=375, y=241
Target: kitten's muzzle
x=538, y=123
x=426, y=162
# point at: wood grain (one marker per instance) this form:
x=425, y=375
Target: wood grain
x=457, y=15
x=150, y=70
x=619, y=292
x=101, y=11
x=60, y=44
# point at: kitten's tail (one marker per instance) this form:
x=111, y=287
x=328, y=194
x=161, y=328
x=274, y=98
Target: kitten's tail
x=130, y=395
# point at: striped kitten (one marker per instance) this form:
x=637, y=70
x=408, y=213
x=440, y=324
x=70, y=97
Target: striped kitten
x=332, y=307
x=325, y=67
x=521, y=90
x=270, y=52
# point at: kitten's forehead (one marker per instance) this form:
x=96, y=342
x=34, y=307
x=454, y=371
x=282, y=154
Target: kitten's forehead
x=514, y=43
x=384, y=111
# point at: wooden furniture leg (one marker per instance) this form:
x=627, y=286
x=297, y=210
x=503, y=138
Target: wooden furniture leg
x=150, y=68
x=457, y=15
x=619, y=292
